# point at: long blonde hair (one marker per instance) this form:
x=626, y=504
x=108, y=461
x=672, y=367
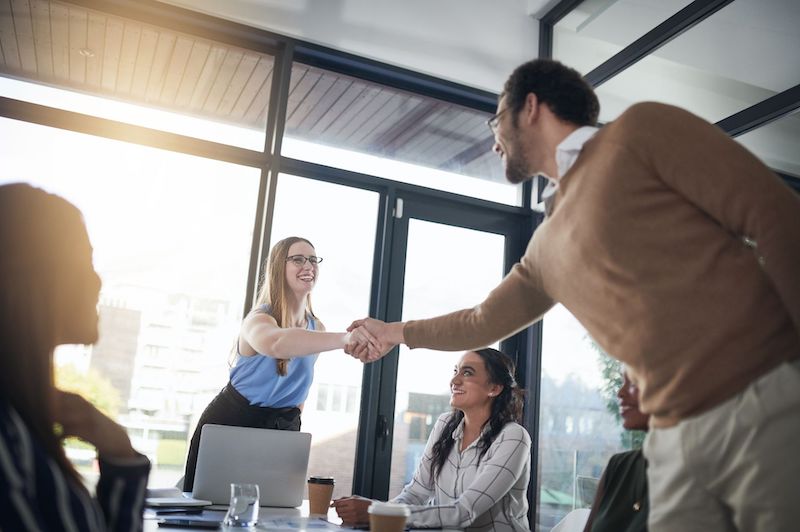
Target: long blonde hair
x=38, y=234
x=274, y=288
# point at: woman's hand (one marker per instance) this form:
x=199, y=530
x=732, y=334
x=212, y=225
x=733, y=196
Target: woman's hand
x=78, y=417
x=352, y=510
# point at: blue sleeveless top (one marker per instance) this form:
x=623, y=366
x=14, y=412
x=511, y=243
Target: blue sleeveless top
x=257, y=379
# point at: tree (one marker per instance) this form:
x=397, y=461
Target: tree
x=611, y=371
x=95, y=388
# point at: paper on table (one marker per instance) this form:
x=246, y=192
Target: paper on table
x=172, y=497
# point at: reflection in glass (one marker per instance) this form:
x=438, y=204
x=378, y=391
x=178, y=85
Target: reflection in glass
x=357, y=125
x=432, y=288
x=735, y=58
x=596, y=30
x=578, y=425
x=777, y=143
x=173, y=277
x=340, y=221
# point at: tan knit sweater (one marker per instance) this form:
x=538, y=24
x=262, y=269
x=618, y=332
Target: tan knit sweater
x=676, y=248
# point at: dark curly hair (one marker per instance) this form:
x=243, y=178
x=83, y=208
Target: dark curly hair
x=562, y=88
x=506, y=407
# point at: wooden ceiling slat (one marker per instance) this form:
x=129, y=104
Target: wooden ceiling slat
x=238, y=82
x=311, y=100
x=144, y=63
x=131, y=36
x=261, y=74
x=59, y=30
x=455, y=119
x=194, y=67
x=323, y=107
x=96, y=42
x=331, y=114
x=21, y=12
x=40, y=14
x=177, y=65
x=8, y=37
x=158, y=73
x=206, y=79
x=300, y=90
x=78, y=29
x=379, y=121
x=223, y=79
x=405, y=128
x=111, y=53
x=354, y=115
x=257, y=113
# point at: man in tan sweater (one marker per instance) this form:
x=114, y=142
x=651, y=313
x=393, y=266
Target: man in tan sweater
x=679, y=252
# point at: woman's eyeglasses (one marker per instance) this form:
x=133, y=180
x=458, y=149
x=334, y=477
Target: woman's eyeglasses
x=300, y=260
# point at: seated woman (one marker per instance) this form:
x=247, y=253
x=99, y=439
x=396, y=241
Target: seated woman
x=48, y=297
x=476, y=466
x=621, y=502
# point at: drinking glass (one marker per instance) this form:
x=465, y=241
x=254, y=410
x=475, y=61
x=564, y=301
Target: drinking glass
x=243, y=510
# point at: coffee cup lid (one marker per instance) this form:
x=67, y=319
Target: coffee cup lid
x=321, y=480
x=389, y=508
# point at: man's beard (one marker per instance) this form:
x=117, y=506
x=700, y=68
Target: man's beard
x=516, y=169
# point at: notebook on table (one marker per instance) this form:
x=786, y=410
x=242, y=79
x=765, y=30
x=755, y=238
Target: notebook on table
x=276, y=460
x=172, y=498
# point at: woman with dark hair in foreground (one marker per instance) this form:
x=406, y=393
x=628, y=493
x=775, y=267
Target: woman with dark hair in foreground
x=475, y=470
x=48, y=297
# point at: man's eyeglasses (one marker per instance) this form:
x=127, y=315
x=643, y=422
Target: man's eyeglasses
x=300, y=260
x=495, y=120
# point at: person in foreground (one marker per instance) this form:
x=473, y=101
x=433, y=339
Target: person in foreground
x=48, y=296
x=475, y=470
x=621, y=503
x=679, y=252
x=277, y=347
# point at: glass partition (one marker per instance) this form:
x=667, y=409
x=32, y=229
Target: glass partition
x=777, y=143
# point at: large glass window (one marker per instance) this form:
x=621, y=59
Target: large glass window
x=578, y=424
x=777, y=143
x=724, y=64
x=596, y=30
x=181, y=83
x=447, y=268
x=172, y=236
x=340, y=221
x=357, y=125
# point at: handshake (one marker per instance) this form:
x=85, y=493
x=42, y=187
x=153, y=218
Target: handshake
x=369, y=339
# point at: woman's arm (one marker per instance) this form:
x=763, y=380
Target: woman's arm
x=501, y=468
x=262, y=333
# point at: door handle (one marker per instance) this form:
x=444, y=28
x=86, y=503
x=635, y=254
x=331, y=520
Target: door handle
x=382, y=431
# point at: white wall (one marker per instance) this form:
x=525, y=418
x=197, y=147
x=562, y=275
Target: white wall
x=474, y=42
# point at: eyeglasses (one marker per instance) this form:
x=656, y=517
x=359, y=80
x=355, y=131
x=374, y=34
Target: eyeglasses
x=300, y=260
x=495, y=120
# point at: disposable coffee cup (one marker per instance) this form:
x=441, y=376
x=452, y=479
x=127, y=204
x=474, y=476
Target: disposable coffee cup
x=320, y=491
x=387, y=517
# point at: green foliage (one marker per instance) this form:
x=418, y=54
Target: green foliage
x=611, y=371
x=95, y=388
x=171, y=452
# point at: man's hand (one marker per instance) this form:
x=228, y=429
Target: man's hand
x=352, y=510
x=386, y=335
x=78, y=417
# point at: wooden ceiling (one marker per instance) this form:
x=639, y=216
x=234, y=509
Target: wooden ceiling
x=72, y=47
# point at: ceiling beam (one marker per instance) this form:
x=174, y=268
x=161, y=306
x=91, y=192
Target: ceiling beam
x=762, y=113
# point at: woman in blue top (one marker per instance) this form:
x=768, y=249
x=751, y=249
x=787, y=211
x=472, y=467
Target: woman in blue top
x=278, y=345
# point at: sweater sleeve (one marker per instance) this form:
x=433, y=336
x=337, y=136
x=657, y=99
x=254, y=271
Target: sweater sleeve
x=732, y=186
x=504, y=463
x=515, y=303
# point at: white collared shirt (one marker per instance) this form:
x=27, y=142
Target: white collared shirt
x=474, y=493
x=566, y=154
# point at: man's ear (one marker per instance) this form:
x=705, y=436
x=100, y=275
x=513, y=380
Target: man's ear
x=530, y=111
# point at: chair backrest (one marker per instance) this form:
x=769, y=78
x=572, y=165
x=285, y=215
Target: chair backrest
x=574, y=521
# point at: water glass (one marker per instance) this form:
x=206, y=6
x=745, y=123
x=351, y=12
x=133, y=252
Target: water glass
x=243, y=510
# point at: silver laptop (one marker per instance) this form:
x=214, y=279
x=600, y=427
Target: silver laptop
x=276, y=460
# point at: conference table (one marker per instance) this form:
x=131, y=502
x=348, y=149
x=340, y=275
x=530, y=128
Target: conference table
x=269, y=520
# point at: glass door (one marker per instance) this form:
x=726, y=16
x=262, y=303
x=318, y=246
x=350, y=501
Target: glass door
x=444, y=256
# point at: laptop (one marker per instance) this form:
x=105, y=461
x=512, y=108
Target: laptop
x=276, y=460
